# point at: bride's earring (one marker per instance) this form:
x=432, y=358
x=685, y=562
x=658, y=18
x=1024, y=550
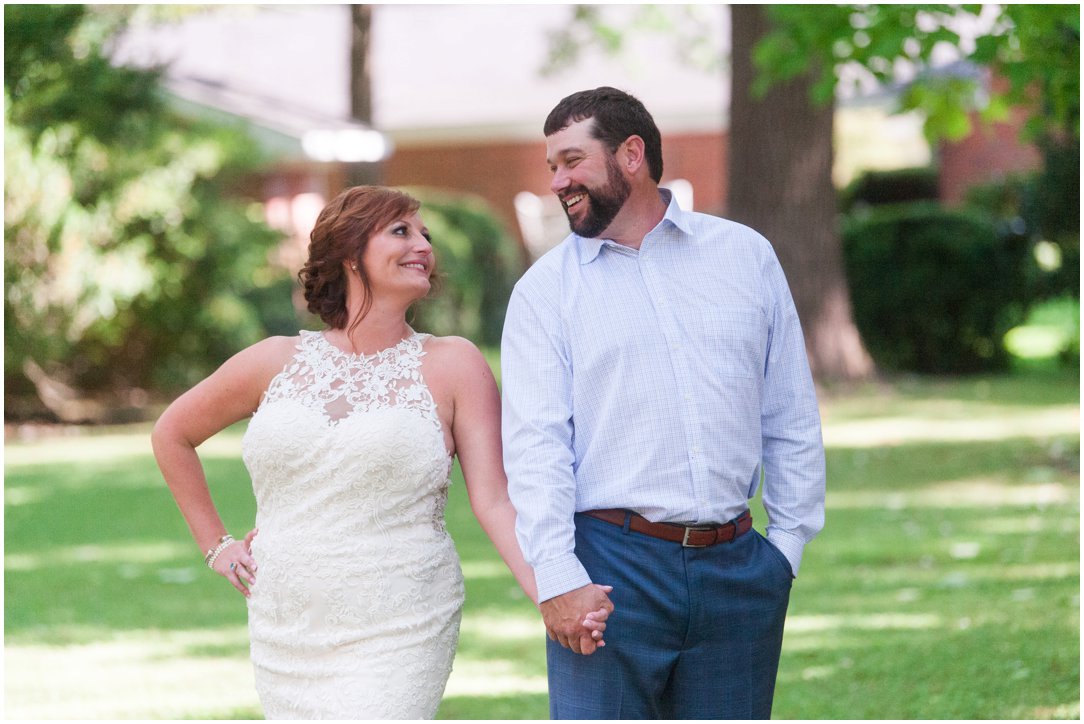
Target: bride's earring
x=353, y=267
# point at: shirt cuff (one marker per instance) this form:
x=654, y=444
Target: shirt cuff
x=560, y=575
x=790, y=545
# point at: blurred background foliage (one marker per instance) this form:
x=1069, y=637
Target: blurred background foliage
x=128, y=266
x=936, y=289
x=962, y=290
x=1034, y=47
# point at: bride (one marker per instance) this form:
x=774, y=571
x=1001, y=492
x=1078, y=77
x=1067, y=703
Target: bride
x=354, y=609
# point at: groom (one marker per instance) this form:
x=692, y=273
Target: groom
x=654, y=374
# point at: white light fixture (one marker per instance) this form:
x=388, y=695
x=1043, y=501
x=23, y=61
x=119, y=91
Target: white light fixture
x=349, y=145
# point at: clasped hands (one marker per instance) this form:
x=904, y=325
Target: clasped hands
x=577, y=619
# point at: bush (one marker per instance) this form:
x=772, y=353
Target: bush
x=1045, y=207
x=478, y=263
x=934, y=290
x=876, y=188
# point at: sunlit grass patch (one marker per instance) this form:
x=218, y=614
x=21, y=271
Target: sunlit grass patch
x=141, y=674
x=979, y=493
x=124, y=553
x=954, y=422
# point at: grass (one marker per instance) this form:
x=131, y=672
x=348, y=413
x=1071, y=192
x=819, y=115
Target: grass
x=944, y=586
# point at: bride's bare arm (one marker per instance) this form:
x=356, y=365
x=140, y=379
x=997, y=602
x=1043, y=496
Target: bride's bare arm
x=476, y=430
x=228, y=395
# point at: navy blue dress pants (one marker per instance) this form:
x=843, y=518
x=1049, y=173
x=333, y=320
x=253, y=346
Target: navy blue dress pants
x=695, y=634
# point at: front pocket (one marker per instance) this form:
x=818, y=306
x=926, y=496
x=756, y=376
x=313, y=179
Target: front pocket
x=778, y=556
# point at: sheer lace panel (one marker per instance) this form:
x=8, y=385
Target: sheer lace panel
x=323, y=377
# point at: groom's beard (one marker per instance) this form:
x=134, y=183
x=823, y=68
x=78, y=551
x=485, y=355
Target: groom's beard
x=603, y=203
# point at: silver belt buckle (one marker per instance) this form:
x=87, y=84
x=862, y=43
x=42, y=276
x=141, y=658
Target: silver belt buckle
x=685, y=540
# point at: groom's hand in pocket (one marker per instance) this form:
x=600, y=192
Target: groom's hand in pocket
x=576, y=619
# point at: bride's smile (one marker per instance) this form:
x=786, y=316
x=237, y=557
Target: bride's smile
x=400, y=258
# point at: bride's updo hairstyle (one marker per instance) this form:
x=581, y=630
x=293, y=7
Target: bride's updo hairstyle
x=340, y=236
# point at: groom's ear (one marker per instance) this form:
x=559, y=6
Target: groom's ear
x=631, y=154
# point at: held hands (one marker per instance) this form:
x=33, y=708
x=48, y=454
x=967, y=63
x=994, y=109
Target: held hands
x=577, y=619
x=237, y=565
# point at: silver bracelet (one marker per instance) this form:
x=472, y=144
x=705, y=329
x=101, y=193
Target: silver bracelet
x=212, y=555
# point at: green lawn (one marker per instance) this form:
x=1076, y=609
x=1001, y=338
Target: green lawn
x=944, y=586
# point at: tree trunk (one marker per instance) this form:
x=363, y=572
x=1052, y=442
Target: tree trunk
x=780, y=183
x=361, y=89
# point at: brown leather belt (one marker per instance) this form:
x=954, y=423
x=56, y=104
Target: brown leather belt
x=689, y=536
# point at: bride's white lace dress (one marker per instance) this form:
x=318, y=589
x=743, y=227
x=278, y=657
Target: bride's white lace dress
x=355, y=611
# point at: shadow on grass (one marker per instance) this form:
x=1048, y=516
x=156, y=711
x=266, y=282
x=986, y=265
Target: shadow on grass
x=1040, y=386
x=122, y=501
x=904, y=467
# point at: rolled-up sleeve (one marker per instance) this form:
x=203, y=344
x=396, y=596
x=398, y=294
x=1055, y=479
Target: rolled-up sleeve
x=537, y=428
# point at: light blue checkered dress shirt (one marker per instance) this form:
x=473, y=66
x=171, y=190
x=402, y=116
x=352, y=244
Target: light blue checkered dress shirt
x=663, y=381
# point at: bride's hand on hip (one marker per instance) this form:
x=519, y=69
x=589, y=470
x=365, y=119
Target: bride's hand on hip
x=237, y=565
x=248, y=542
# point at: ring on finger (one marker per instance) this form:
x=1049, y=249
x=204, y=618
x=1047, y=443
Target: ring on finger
x=233, y=566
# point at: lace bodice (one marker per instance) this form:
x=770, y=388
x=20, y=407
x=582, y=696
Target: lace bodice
x=323, y=377
x=351, y=472
x=362, y=431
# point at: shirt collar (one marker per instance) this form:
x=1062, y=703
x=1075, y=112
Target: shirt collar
x=674, y=216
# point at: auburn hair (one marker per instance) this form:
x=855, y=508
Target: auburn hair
x=340, y=236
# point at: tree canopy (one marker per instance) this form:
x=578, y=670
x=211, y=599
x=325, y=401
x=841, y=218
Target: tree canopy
x=1034, y=48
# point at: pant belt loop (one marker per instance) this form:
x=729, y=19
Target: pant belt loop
x=628, y=522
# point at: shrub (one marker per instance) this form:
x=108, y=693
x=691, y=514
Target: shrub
x=876, y=188
x=934, y=290
x=478, y=263
x=1044, y=206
